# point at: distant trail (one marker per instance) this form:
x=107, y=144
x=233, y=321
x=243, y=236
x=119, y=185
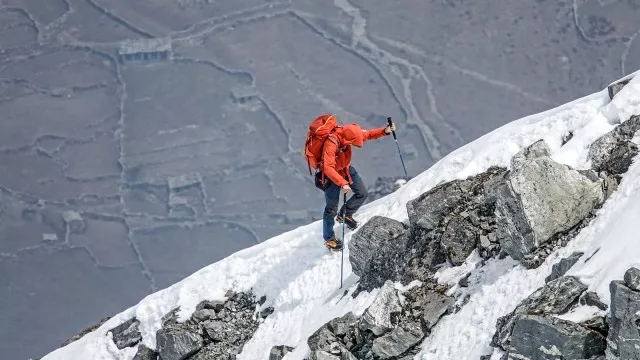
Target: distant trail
x=471, y=73
x=119, y=134
x=25, y=13
x=207, y=26
x=625, y=53
x=119, y=20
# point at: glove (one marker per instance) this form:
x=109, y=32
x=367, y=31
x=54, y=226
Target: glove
x=389, y=129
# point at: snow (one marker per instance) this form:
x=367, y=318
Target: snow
x=582, y=313
x=301, y=278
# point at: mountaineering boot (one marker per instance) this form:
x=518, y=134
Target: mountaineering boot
x=333, y=244
x=352, y=224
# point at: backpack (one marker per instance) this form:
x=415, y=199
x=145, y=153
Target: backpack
x=320, y=130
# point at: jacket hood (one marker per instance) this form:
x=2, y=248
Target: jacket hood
x=352, y=134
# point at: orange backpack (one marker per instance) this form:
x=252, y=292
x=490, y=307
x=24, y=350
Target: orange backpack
x=319, y=131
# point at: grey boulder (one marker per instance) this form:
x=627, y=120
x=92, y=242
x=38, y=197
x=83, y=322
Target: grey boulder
x=459, y=240
x=632, y=278
x=434, y=306
x=541, y=198
x=377, y=251
x=623, y=338
x=279, y=351
x=380, y=314
x=614, y=151
x=561, y=268
x=549, y=338
x=177, y=344
x=144, y=353
x=615, y=88
x=591, y=298
x=429, y=209
x=126, y=334
x=398, y=341
x=556, y=297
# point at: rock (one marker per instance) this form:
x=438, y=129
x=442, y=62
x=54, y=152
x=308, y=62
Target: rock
x=170, y=318
x=126, y=334
x=546, y=337
x=177, y=344
x=348, y=356
x=323, y=355
x=215, y=329
x=614, y=151
x=431, y=212
x=464, y=281
x=615, y=88
x=561, y=268
x=539, y=199
x=474, y=218
x=398, y=341
x=266, y=312
x=538, y=149
x=598, y=323
x=378, y=317
x=321, y=338
x=74, y=222
x=211, y=305
x=632, y=278
x=459, y=240
x=203, y=315
x=591, y=298
x=429, y=209
x=279, y=351
x=340, y=326
x=484, y=241
x=214, y=351
x=144, y=353
x=623, y=338
x=620, y=158
x=435, y=306
x=377, y=251
x=610, y=184
x=556, y=297
x=566, y=137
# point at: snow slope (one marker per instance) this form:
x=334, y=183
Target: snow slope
x=301, y=279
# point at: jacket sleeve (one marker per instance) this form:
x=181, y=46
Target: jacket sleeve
x=374, y=134
x=329, y=164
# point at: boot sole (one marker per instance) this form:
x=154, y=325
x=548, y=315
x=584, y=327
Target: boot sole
x=348, y=227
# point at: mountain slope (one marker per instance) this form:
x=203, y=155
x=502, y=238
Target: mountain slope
x=300, y=278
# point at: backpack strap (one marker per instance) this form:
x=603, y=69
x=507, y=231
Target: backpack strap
x=334, y=139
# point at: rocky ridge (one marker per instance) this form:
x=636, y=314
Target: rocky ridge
x=525, y=212
x=215, y=330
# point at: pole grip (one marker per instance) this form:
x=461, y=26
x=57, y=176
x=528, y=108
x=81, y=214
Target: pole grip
x=394, y=133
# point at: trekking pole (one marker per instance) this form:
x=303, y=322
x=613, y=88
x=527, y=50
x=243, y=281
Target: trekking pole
x=344, y=218
x=396, y=139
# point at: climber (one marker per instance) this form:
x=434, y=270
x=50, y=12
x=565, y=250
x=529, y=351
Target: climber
x=338, y=175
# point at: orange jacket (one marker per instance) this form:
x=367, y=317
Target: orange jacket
x=336, y=153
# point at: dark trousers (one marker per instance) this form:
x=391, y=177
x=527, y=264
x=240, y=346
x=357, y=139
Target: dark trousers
x=332, y=196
